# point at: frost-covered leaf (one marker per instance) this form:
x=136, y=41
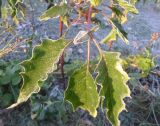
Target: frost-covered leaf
x=112, y=36
x=37, y=68
x=58, y=10
x=81, y=35
x=82, y=91
x=113, y=80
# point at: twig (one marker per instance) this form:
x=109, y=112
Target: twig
x=89, y=40
x=88, y=53
x=9, y=49
x=96, y=43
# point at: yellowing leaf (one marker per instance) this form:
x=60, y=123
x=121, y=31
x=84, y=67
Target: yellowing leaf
x=112, y=36
x=37, y=68
x=82, y=91
x=96, y=2
x=113, y=80
x=59, y=10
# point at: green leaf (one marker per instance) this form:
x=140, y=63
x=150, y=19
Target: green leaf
x=13, y=6
x=120, y=30
x=41, y=63
x=82, y=91
x=21, y=8
x=59, y=10
x=127, y=6
x=112, y=36
x=113, y=80
x=4, y=80
x=143, y=63
x=120, y=14
x=96, y=2
x=7, y=98
x=70, y=68
x=4, y=12
x=12, y=3
x=16, y=79
x=133, y=1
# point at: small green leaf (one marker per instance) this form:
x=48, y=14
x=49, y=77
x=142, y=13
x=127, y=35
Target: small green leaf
x=143, y=63
x=113, y=80
x=37, y=68
x=127, y=6
x=82, y=91
x=59, y=10
x=120, y=30
x=112, y=36
x=96, y=2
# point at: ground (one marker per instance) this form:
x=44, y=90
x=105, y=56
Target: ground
x=140, y=28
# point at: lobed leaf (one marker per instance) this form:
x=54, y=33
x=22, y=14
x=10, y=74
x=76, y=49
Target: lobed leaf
x=58, y=10
x=82, y=91
x=37, y=68
x=113, y=80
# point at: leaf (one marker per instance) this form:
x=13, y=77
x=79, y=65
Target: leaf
x=12, y=3
x=37, y=68
x=133, y=1
x=120, y=30
x=7, y=98
x=127, y=6
x=96, y=2
x=21, y=8
x=120, y=14
x=82, y=91
x=113, y=80
x=81, y=37
x=112, y=36
x=16, y=79
x=70, y=68
x=59, y=10
x=14, y=6
x=143, y=63
x=4, y=80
